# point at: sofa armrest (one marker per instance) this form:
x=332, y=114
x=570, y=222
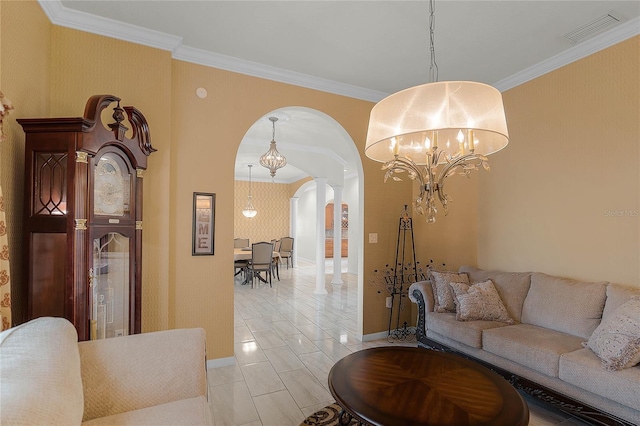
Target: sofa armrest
x=421, y=293
x=425, y=288
x=138, y=371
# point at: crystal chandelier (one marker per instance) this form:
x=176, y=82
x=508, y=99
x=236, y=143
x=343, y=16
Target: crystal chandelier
x=452, y=124
x=249, y=210
x=272, y=159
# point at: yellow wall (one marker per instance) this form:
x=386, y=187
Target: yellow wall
x=563, y=196
x=451, y=241
x=25, y=54
x=271, y=200
x=211, y=129
x=382, y=207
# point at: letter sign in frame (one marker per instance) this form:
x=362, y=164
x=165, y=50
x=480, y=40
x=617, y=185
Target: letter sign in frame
x=204, y=209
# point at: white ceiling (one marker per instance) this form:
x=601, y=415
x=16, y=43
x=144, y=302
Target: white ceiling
x=362, y=49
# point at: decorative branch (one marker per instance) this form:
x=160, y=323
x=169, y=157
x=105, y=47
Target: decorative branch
x=387, y=280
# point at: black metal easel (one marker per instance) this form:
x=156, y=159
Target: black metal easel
x=403, y=276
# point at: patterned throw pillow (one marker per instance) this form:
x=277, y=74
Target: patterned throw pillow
x=616, y=340
x=479, y=301
x=442, y=293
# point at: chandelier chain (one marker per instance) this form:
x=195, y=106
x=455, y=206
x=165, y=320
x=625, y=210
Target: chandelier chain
x=433, y=67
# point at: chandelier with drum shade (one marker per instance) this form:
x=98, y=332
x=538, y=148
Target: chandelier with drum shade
x=436, y=130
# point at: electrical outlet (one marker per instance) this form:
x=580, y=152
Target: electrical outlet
x=388, y=302
x=373, y=238
x=119, y=332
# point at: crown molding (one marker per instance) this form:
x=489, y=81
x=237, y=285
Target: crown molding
x=229, y=63
x=77, y=20
x=615, y=35
x=60, y=15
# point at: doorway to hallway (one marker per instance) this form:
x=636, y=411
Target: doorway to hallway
x=329, y=228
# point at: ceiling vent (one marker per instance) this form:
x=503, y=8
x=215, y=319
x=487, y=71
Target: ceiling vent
x=590, y=29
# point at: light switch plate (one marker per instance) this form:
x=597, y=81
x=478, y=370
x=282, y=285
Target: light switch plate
x=373, y=238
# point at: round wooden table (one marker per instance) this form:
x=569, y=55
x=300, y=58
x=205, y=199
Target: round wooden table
x=415, y=386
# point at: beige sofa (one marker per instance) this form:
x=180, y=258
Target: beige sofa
x=541, y=350
x=48, y=378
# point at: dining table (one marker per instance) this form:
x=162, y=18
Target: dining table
x=244, y=253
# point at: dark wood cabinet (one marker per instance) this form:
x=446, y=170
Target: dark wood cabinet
x=83, y=217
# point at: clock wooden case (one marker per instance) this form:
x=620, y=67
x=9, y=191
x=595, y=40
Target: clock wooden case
x=83, y=217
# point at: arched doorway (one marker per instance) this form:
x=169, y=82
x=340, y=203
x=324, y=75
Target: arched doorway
x=316, y=144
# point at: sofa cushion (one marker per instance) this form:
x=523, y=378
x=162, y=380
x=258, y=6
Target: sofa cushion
x=40, y=371
x=511, y=286
x=617, y=295
x=442, y=292
x=565, y=305
x=479, y=301
x=534, y=347
x=192, y=411
x=469, y=333
x=616, y=340
x=582, y=368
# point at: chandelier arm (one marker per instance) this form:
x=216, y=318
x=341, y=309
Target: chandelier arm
x=457, y=162
x=407, y=165
x=426, y=188
x=450, y=168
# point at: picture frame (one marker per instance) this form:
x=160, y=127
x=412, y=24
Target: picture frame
x=204, y=208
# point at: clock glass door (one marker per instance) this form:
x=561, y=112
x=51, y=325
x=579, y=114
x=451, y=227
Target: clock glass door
x=110, y=286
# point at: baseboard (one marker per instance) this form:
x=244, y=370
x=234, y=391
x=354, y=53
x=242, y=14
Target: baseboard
x=221, y=362
x=375, y=336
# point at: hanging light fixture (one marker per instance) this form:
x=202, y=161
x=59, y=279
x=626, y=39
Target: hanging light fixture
x=272, y=159
x=455, y=124
x=249, y=210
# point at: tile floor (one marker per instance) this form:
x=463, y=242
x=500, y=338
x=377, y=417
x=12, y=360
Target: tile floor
x=286, y=341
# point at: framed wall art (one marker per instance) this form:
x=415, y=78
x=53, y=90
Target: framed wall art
x=204, y=209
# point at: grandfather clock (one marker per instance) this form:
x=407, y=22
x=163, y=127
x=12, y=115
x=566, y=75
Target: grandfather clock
x=83, y=217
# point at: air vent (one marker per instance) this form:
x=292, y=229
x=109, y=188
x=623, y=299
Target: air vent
x=597, y=26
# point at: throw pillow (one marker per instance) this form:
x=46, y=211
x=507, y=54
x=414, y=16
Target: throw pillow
x=479, y=301
x=442, y=294
x=616, y=340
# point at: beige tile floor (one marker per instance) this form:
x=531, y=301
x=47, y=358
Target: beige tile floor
x=286, y=341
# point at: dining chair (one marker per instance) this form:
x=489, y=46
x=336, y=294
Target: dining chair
x=286, y=250
x=276, y=258
x=240, y=242
x=240, y=267
x=261, y=261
